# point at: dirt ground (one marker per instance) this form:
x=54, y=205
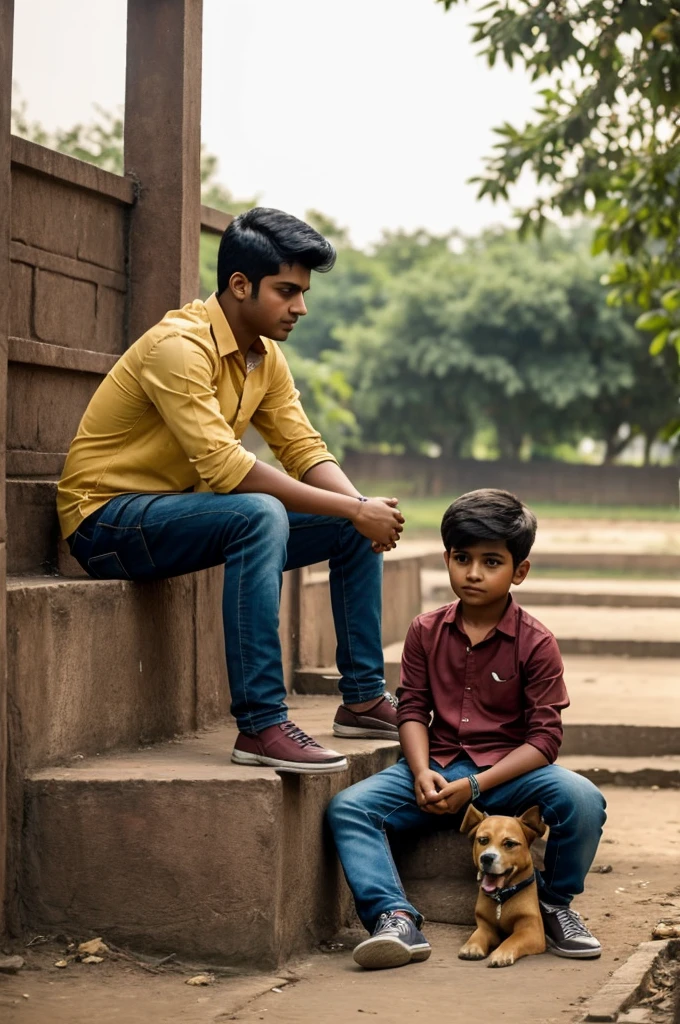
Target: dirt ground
x=641, y=843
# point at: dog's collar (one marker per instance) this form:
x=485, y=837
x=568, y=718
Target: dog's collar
x=501, y=896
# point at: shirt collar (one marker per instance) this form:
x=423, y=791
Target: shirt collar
x=507, y=623
x=222, y=332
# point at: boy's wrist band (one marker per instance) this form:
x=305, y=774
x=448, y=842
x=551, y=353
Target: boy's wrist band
x=474, y=787
x=360, y=497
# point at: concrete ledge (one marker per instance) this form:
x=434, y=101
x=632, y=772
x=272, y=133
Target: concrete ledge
x=620, y=740
x=173, y=849
x=438, y=874
x=660, y=772
x=625, y=984
x=402, y=601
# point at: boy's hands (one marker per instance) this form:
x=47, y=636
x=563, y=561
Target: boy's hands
x=428, y=786
x=380, y=520
x=450, y=798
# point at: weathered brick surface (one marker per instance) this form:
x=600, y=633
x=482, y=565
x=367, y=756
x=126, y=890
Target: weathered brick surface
x=55, y=216
x=21, y=300
x=45, y=406
x=65, y=310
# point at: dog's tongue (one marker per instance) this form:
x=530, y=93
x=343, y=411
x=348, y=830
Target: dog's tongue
x=492, y=882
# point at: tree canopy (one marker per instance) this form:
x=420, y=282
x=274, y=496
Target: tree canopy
x=605, y=136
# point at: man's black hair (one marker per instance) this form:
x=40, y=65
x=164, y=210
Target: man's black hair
x=490, y=514
x=260, y=241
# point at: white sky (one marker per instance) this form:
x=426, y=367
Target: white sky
x=374, y=111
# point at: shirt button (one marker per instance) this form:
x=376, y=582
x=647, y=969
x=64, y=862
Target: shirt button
x=465, y=719
x=468, y=687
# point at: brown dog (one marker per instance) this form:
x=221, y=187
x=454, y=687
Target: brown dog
x=507, y=912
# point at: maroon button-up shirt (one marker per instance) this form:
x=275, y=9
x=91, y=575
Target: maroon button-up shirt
x=488, y=699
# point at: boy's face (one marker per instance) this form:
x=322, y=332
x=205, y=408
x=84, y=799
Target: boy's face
x=279, y=303
x=482, y=573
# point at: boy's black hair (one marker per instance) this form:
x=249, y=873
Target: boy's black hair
x=260, y=241
x=490, y=514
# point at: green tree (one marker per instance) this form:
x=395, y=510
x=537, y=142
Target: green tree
x=606, y=135
x=517, y=336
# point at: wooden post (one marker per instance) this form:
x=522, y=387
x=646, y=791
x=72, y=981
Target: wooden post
x=6, y=40
x=162, y=156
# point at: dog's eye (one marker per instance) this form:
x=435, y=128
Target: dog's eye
x=483, y=840
x=510, y=843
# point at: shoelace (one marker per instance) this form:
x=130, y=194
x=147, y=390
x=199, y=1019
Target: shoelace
x=571, y=923
x=394, y=921
x=298, y=736
x=393, y=700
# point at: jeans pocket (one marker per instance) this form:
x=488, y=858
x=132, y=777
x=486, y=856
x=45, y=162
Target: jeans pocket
x=107, y=567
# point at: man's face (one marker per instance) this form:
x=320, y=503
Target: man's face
x=279, y=302
x=482, y=573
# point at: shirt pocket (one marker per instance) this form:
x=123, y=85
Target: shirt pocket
x=500, y=691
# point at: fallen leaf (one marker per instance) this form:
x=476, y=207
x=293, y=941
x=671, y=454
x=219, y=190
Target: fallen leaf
x=61, y=963
x=663, y=930
x=93, y=960
x=200, y=979
x=95, y=947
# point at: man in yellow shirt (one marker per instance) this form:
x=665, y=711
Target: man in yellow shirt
x=158, y=484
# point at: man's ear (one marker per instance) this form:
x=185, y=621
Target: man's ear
x=532, y=824
x=446, y=559
x=521, y=572
x=472, y=820
x=239, y=286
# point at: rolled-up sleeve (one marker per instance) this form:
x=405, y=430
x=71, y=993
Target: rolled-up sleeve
x=283, y=424
x=545, y=698
x=414, y=693
x=177, y=376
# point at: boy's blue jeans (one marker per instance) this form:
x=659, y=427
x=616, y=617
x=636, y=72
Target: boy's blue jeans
x=155, y=536
x=362, y=817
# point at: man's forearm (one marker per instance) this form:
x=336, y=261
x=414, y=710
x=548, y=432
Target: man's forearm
x=329, y=477
x=297, y=496
x=518, y=762
x=415, y=744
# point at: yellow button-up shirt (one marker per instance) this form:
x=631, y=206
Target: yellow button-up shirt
x=170, y=414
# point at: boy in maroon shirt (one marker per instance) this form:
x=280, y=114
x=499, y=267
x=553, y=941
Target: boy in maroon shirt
x=479, y=719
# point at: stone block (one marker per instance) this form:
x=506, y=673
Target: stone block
x=64, y=310
x=58, y=217
x=438, y=874
x=21, y=300
x=32, y=528
x=93, y=665
x=45, y=406
x=174, y=849
x=110, y=333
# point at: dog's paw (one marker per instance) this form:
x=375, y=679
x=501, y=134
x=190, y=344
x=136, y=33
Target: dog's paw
x=502, y=960
x=471, y=952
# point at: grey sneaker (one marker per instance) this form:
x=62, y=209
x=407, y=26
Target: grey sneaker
x=395, y=941
x=566, y=933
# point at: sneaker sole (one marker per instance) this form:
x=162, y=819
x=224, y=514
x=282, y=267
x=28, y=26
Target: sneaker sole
x=377, y=954
x=294, y=767
x=572, y=954
x=356, y=732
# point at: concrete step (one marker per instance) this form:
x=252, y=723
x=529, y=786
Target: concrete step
x=174, y=849
x=629, y=632
x=541, y=591
x=402, y=601
x=661, y=772
x=104, y=679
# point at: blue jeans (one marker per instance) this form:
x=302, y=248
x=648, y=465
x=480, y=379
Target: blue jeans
x=154, y=536
x=362, y=816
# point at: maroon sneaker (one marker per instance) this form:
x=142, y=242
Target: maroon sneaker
x=288, y=749
x=377, y=723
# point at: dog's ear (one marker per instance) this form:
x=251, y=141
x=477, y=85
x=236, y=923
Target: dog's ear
x=532, y=824
x=472, y=820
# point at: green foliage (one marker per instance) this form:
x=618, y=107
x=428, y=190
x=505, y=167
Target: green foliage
x=519, y=337
x=605, y=137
